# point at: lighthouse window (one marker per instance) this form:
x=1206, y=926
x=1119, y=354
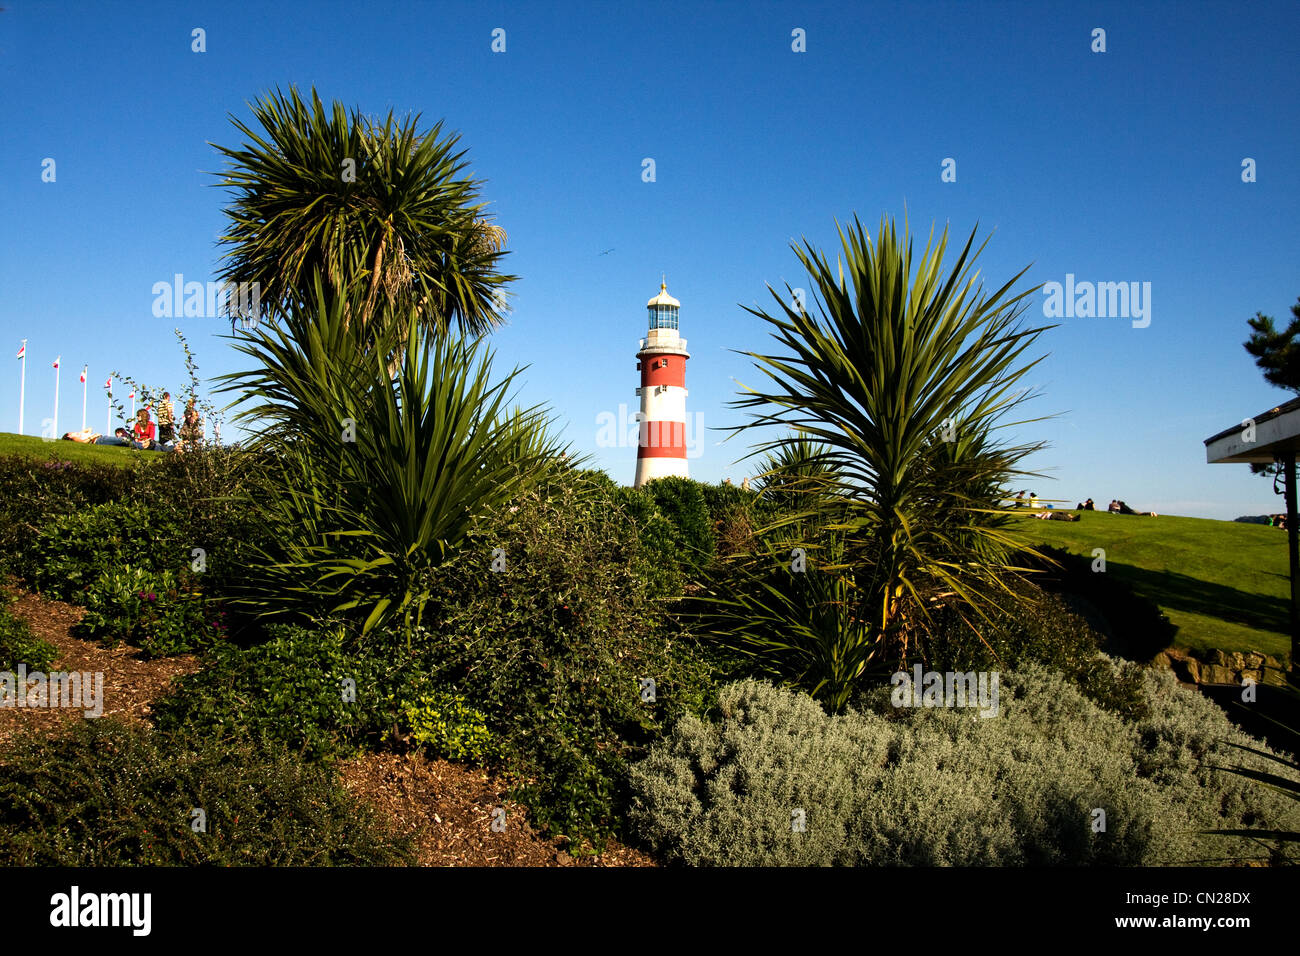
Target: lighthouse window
x=663, y=317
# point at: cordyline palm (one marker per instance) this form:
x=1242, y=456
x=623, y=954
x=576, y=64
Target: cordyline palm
x=376, y=475
x=332, y=192
x=903, y=374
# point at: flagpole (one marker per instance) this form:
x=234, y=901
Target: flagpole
x=84, y=370
x=56, y=395
x=108, y=412
x=22, y=385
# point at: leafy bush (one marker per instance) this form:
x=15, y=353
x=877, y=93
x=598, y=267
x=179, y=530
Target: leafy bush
x=112, y=795
x=682, y=503
x=722, y=498
x=1039, y=628
x=554, y=649
x=67, y=556
x=163, y=613
x=18, y=645
x=662, y=567
x=886, y=786
x=733, y=518
x=551, y=652
x=448, y=726
x=85, y=515
x=32, y=494
x=308, y=690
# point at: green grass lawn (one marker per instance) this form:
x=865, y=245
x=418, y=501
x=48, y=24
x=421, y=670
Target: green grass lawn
x=59, y=450
x=1223, y=583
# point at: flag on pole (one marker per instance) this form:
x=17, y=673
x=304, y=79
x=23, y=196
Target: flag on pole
x=83, y=372
x=132, y=395
x=22, y=383
x=109, y=384
x=55, y=430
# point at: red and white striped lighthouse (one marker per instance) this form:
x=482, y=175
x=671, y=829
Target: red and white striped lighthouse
x=661, y=359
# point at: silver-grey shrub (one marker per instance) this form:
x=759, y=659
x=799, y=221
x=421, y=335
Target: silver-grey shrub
x=885, y=786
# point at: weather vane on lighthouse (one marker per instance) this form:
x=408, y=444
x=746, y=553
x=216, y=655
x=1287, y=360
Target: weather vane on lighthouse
x=661, y=359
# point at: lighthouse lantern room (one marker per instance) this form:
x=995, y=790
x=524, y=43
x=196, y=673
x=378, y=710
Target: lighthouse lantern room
x=661, y=450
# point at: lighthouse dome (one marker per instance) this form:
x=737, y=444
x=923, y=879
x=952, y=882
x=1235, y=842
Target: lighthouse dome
x=663, y=298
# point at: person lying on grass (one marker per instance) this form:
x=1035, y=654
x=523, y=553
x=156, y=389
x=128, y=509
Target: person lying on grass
x=1121, y=508
x=1056, y=516
x=88, y=437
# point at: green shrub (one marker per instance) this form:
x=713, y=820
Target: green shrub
x=67, y=556
x=33, y=493
x=886, y=786
x=448, y=726
x=18, y=645
x=682, y=503
x=163, y=613
x=733, y=518
x=309, y=690
x=110, y=795
x=661, y=567
x=180, y=514
x=554, y=650
x=1042, y=629
x=722, y=498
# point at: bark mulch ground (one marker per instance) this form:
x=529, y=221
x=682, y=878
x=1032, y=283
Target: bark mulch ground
x=131, y=683
x=446, y=808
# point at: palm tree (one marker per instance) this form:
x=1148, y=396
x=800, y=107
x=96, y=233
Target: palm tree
x=903, y=376
x=328, y=191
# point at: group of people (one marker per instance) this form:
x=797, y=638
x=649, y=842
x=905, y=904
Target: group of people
x=1116, y=507
x=148, y=437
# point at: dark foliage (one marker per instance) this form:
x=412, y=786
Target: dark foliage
x=112, y=795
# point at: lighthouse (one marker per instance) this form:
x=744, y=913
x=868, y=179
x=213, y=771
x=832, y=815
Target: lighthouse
x=661, y=360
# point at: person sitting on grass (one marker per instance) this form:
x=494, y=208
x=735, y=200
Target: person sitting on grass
x=143, y=431
x=191, y=435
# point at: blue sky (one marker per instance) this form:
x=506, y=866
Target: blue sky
x=1122, y=166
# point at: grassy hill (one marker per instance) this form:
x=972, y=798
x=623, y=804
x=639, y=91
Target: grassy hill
x=1224, y=584
x=59, y=450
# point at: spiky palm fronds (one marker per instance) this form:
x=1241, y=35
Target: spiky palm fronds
x=902, y=372
x=333, y=192
x=378, y=476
